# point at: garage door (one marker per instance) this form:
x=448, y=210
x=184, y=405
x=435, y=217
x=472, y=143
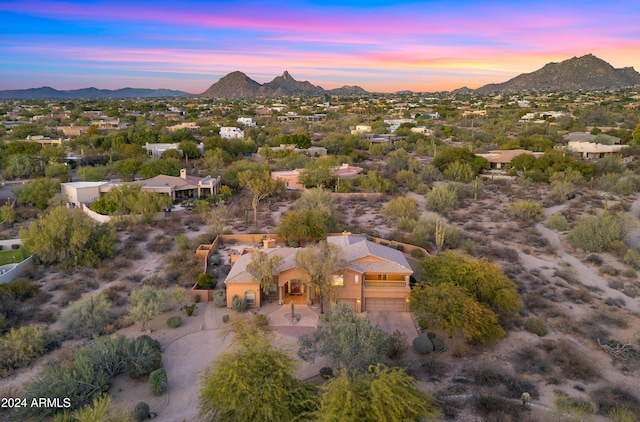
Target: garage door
x=381, y=304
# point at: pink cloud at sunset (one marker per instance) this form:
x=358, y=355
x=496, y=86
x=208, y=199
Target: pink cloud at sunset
x=378, y=46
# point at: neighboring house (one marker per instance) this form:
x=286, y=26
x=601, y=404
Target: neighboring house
x=227, y=132
x=588, y=137
x=44, y=140
x=182, y=187
x=82, y=192
x=72, y=130
x=382, y=138
x=311, y=151
x=361, y=129
x=155, y=151
x=292, y=117
x=376, y=277
x=184, y=125
x=422, y=129
x=500, y=159
x=291, y=178
x=246, y=121
x=592, y=150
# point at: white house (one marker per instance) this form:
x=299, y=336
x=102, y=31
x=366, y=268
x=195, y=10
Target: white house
x=246, y=121
x=227, y=132
x=361, y=129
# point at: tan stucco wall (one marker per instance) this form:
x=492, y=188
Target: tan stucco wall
x=238, y=289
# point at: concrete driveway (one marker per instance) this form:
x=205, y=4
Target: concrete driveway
x=389, y=321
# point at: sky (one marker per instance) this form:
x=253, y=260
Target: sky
x=380, y=45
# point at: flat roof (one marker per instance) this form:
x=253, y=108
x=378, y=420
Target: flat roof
x=80, y=185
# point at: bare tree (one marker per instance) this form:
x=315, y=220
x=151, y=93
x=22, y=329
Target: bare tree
x=322, y=262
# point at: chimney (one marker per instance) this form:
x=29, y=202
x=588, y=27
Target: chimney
x=346, y=233
x=183, y=174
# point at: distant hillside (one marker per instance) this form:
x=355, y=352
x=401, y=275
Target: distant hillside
x=579, y=73
x=347, y=90
x=239, y=85
x=47, y=92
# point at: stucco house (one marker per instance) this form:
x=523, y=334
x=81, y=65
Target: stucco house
x=376, y=277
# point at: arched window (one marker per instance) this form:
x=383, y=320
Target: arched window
x=250, y=297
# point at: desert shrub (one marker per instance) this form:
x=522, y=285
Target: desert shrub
x=155, y=280
x=618, y=248
x=20, y=346
x=594, y=259
x=20, y=289
x=326, y=372
x=609, y=270
x=623, y=415
x=526, y=210
x=566, y=272
x=397, y=344
x=536, y=326
x=632, y=258
x=417, y=253
x=610, y=398
x=423, y=345
x=88, y=316
x=220, y=298
x=401, y=207
x=569, y=360
x=595, y=233
x=495, y=408
x=225, y=318
x=158, y=381
x=438, y=344
x=144, y=356
x=443, y=197
x=239, y=305
x=141, y=412
x=174, y=322
x=216, y=259
x=159, y=244
x=579, y=295
x=557, y=222
x=204, y=280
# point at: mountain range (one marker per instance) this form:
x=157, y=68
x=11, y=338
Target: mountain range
x=238, y=85
x=578, y=73
x=47, y=92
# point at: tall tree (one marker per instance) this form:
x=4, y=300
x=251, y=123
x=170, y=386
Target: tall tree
x=382, y=394
x=39, y=192
x=322, y=262
x=69, y=238
x=262, y=267
x=303, y=225
x=260, y=184
x=254, y=382
x=347, y=340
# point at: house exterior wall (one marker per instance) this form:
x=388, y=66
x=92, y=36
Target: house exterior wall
x=239, y=289
x=81, y=194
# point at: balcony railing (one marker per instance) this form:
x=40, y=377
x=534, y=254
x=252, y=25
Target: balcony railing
x=381, y=284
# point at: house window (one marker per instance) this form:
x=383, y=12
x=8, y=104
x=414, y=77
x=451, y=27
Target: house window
x=356, y=279
x=338, y=280
x=250, y=297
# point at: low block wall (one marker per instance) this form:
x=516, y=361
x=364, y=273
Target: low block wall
x=10, y=272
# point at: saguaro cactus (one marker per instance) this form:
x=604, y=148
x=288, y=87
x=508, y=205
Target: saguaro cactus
x=440, y=232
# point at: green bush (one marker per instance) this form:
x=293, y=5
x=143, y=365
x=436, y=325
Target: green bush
x=326, y=372
x=20, y=346
x=423, y=345
x=536, y=326
x=21, y=289
x=438, y=344
x=88, y=316
x=174, y=321
x=443, y=197
x=215, y=259
x=204, y=280
x=144, y=357
x=632, y=258
x=417, y=253
x=158, y=381
x=239, y=305
x=526, y=210
x=557, y=222
x=220, y=298
x=596, y=232
x=141, y=412
x=609, y=270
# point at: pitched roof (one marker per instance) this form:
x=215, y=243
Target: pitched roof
x=239, y=274
x=357, y=247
